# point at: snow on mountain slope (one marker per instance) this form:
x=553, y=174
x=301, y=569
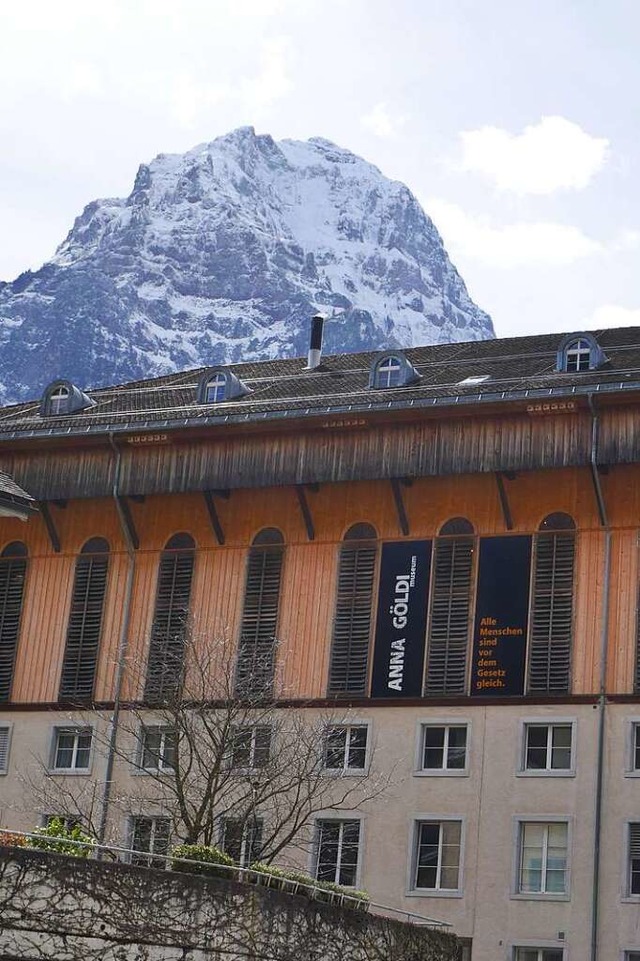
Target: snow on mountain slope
x=222, y=254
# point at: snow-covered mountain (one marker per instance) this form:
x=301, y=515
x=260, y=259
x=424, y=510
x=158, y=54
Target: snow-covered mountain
x=223, y=254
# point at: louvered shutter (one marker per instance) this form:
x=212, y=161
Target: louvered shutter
x=84, y=628
x=166, y=649
x=12, y=575
x=256, y=652
x=448, y=636
x=5, y=733
x=349, y=666
x=634, y=858
x=552, y=613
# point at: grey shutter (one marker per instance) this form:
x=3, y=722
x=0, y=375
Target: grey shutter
x=12, y=574
x=349, y=667
x=256, y=652
x=448, y=635
x=84, y=628
x=166, y=649
x=552, y=613
x=5, y=733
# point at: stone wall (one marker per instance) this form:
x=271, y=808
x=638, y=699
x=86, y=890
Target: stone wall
x=68, y=909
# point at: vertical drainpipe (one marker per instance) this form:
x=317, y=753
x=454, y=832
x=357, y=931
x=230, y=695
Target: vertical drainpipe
x=122, y=645
x=602, y=694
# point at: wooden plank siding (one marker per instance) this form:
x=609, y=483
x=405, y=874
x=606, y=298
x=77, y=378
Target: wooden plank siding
x=248, y=458
x=309, y=569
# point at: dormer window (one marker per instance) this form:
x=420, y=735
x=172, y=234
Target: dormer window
x=59, y=400
x=388, y=373
x=219, y=384
x=392, y=370
x=62, y=397
x=579, y=353
x=215, y=389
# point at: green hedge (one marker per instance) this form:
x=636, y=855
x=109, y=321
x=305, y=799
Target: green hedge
x=213, y=860
x=60, y=839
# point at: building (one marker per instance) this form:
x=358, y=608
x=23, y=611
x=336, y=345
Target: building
x=449, y=541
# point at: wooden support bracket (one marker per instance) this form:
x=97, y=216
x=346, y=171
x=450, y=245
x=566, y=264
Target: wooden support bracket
x=127, y=517
x=305, y=509
x=504, y=500
x=213, y=513
x=396, y=488
x=45, y=513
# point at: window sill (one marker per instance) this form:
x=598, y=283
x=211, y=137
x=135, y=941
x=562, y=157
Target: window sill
x=632, y=774
x=561, y=772
x=344, y=772
x=66, y=771
x=149, y=771
x=630, y=899
x=432, y=893
x=442, y=772
x=546, y=896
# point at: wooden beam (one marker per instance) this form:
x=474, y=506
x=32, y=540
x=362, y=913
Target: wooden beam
x=504, y=500
x=305, y=511
x=403, y=520
x=127, y=517
x=213, y=514
x=45, y=513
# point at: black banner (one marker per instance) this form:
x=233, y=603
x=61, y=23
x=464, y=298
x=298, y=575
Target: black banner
x=502, y=612
x=401, y=624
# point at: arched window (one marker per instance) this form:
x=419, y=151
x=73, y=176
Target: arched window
x=13, y=569
x=258, y=630
x=551, y=628
x=578, y=356
x=388, y=372
x=215, y=389
x=170, y=616
x=450, y=608
x=349, y=665
x=85, y=621
x=59, y=400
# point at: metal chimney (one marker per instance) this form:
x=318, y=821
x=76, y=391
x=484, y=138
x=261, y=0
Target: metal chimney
x=315, y=344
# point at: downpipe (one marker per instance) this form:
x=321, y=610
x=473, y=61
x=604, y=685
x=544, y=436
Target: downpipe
x=122, y=646
x=602, y=693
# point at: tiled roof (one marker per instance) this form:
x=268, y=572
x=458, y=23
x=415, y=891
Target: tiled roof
x=517, y=367
x=13, y=498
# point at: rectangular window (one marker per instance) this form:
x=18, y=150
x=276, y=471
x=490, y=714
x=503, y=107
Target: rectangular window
x=149, y=835
x=635, y=748
x=5, y=738
x=72, y=749
x=157, y=748
x=543, y=857
x=634, y=858
x=345, y=748
x=437, y=856
x=632, y=956
x=251, y=746
x=242, y=840
x=538, y=954
x=547, y=747
x=444, y=747
x=338, y=846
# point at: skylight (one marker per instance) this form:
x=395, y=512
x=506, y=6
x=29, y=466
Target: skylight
x=474, y=379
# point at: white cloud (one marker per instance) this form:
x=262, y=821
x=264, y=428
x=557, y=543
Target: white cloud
x=512, y=245
x=612, y=315
x=381, y=121
x=272, y=82
x=552, y=155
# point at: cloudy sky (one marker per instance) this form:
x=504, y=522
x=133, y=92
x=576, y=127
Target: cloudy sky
x=515, y=122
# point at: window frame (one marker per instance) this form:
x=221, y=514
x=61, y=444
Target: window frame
x=251, y=767
x=519, y=821
x=447, y=722
x=345, y=770
x=77, y=730
x=627, y=896
x=526, y=722
x=314, y=848
x=632, y=733
x=8, y=727
x=222, y=384
x=414, y=833
x=247, y=843
x=132, y=854
x=538, y=946
x=160, y=768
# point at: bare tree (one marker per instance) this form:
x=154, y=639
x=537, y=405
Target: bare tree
x=222, y=752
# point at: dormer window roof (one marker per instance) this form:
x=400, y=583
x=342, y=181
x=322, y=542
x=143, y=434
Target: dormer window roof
x=217, y=385
x=392, y=370
x=578, y=353
x=62, y=397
